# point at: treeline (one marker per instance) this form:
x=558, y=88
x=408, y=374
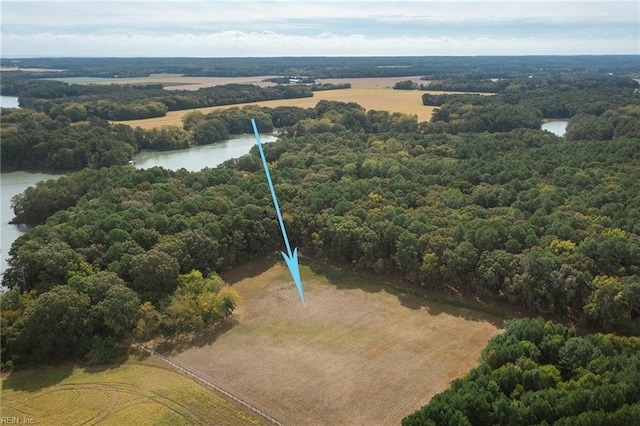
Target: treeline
x=288, y=79
x=484, y=115
x=34, y=141
x=457, y=85
x=555, y=97
x=613, y=124
x=432, y=67
x=480, y=85
x=523, y=216
x=318, y=87
x=121, y=102
x=539, y=372
x=564, y=97
x=523, y=104
x=87, y=317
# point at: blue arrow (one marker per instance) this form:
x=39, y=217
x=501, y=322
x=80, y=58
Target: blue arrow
x=290, y=258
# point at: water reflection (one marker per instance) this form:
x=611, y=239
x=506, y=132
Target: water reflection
x=557, y=127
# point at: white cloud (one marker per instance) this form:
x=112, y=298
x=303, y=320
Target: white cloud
x=240, y=43
x=36, y=13
x=314, y=28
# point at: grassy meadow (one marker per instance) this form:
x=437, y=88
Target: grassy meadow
x=138, y=392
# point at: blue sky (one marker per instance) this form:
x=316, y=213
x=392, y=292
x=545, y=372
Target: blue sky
x=318, y=28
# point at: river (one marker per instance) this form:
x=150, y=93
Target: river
x=197, y=158
x=11, y=184
x=192, y=159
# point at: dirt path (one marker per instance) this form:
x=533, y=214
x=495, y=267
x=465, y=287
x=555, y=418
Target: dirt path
x=351, y=357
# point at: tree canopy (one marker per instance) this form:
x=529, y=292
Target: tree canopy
x=539, y=372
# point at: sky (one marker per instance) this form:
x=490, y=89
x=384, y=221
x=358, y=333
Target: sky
x=242, y=28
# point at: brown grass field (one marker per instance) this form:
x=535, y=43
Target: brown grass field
x=139, y=392
x=408, y=102
x=371, y=93
x=13, y=69
x=360, y=353
x=173, y=81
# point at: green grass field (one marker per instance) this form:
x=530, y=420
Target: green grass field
x=138, y=392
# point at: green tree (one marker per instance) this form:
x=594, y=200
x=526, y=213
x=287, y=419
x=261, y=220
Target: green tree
x=198, y=303
x=75, y=112
x=118, y=310
x=407, y=256
x=192, y=119
x=56, y=325
x=607, y=307
x=154, y=275
x=210, y=131
x=148, y=324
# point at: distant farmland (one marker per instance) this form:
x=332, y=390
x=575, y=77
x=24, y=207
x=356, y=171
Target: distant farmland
x=173, y=81
x=358, y=353
x=371, y=93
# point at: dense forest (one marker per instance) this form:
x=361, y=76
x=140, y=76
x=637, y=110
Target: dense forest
x=77, y=102
x=478, y=201
x=521, y=216
x=34, y=141
x=539, y=372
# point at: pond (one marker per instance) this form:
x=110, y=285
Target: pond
x=557, y=127
x=9, y=102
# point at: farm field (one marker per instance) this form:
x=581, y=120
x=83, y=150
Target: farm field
x=371, y=93
x=15, y=69
x=175, y=81
x=136, y=393
x=360, y=352
x=408, y=102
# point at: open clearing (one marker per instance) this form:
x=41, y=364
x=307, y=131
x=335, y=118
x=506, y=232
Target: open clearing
x=134, y=393
x=360, y=352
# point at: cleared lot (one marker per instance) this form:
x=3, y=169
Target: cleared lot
x=353, y=355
